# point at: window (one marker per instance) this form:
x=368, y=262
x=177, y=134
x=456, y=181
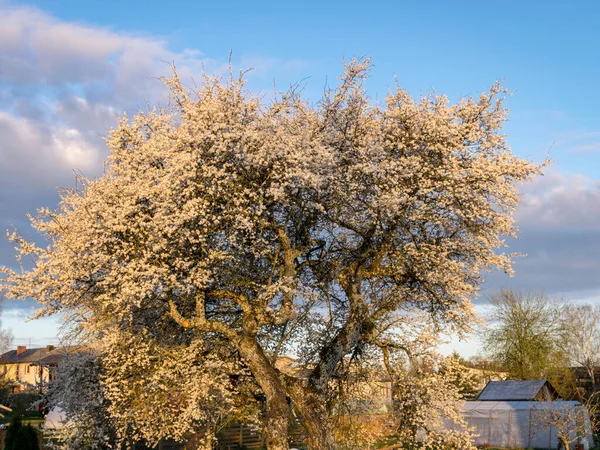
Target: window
x=384, y=391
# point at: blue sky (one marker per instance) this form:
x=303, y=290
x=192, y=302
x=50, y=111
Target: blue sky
x=68, y=68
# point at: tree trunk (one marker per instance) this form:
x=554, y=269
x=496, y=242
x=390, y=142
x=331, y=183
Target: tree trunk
x=565, y=443
x=312, y=402
x=207, y=442
x=590, y=369
x=276, y=418
x=276, y=424
x=315, y=416
x=318, y=425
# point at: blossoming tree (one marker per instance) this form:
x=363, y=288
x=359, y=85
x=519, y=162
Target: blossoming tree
x=428, y=392
x=220, y=221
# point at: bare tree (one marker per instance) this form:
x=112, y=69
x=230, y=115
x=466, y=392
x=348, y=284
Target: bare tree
x=6, y=336
x=6, y=343
x=572, y=421
x=526, y=334
x=583, y=338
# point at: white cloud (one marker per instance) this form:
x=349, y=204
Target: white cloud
x=34, y=152
x=585, y=148
x=70, y=146
x=578, y=141
x=558, y=200
x=63, y=84
x=559, y=221
x=37, y=47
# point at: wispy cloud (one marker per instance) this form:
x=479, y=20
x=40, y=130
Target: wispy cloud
x=587, y=148
x=579, y=141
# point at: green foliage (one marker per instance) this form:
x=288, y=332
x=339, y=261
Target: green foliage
x=5, y=391
x=20, y=437
x=21, y=401
x=527, y=334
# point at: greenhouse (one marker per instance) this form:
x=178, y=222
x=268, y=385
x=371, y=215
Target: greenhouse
x=528, y=424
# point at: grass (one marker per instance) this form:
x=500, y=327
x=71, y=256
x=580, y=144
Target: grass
x=390, y=440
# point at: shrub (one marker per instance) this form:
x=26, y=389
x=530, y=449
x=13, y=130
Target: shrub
x=25, y=439
x=21, y=401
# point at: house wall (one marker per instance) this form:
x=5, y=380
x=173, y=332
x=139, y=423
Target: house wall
x=24, y=373
x=9, y=371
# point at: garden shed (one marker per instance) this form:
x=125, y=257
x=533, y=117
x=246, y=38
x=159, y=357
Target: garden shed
x=518, y=390
x=524, y=424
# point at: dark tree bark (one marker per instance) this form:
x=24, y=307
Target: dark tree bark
x=276, y=420
x=312, y=400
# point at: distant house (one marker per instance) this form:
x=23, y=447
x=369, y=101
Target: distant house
x=25, y=368
x=516, y=390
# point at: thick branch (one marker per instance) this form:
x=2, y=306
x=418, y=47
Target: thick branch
x=386, y=362
x=238, y=299
x=199, y=322
x=348, y=337
x=385, y=346
x=288, y=274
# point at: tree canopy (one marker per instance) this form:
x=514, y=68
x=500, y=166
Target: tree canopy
x=527, y=334
x=226, y=228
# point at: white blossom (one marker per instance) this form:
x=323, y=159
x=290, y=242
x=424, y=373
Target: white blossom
x=223, y=223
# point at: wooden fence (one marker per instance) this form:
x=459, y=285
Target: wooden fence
x=238, y=436
x=234, y=436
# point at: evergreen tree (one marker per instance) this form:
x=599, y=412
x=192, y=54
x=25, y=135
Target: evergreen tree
x=25, y=439
x=11, y=433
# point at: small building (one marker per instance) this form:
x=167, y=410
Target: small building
x=521, y=424
x=519, y=390
x=513, y=414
